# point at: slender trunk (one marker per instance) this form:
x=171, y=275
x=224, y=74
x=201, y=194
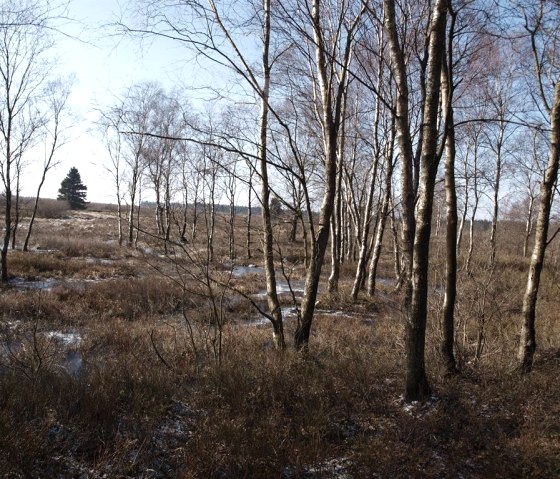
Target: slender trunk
x=8, y=204
x=496, y=204
x=232, y=225
x=16, y=208
x=167, y=223
x=268, y=238
x=336, y=232
x=464, y=212
x=120, y=225
x=471, y=236
x=451, y=218
x=353, y=233
x=362, y=258
x=168, y=209
x=528, y=224
x=337, y=255
x=7, y=226
x=376, y=254
x=318, y=248
x=34, y=212
x=31, y=222
x=137, y=226
x=331, y=103
x=307, y=257
x=417, y=386
x=184, y=220
x=364, y=243
x=527, y=342
x=195, y=217
x=211, y=219
x=404, y=139
x=348, y=237
x=395, y=238
x=438, y=218
x=160, y=219
x=131, y=215
x=475, y=207
x=249, y=215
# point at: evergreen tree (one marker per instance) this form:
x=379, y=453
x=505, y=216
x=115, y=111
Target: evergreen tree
x=73, y=190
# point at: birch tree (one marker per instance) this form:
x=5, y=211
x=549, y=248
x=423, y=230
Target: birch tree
x=417, y=220
x=25, y=43
x=57, y=97
x=214, y=34
x=541, y=22
x=326, y=36
x=382, y=136
x=131, y=119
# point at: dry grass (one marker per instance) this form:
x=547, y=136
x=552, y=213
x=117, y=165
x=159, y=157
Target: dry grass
x=150, y=397
x=78, y=246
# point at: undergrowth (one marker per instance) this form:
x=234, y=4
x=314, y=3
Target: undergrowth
x=113, y=372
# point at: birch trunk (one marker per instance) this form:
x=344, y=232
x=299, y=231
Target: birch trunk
x=249, y=214
x=376, y=254
x=331, y=103
x=495, y=197
x=404, y=138
x=336, y=229
x=451, y=220
x=527, y=343
x=364, y=242
x=528, y=223
x=417, y=386
x=268, y=238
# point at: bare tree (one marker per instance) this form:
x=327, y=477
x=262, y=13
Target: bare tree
x=215, y=35
x=474, y=174
x=530, y=176
x=57, y=97
x=382, y=151
x=417, y=223
x=131, y=119
x=113, y=143
x=321, y=30
x=404, y=136
x=541, y=21
x=168, y=120
x=447, y=91
x=24, y=67
x=499, y=93
x=383, y=214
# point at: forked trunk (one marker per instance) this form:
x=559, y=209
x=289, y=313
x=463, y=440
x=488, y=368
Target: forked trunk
x=419, y=223
x=331, y=106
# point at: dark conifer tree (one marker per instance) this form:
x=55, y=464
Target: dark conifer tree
x=73, y=190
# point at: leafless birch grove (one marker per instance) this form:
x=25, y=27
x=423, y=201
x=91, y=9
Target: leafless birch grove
x=354, y=105
x=347, y=149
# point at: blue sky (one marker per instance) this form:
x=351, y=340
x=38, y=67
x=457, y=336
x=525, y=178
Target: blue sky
x=104, y=65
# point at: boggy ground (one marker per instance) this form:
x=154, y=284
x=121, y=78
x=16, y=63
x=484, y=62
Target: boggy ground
x=115, y=363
